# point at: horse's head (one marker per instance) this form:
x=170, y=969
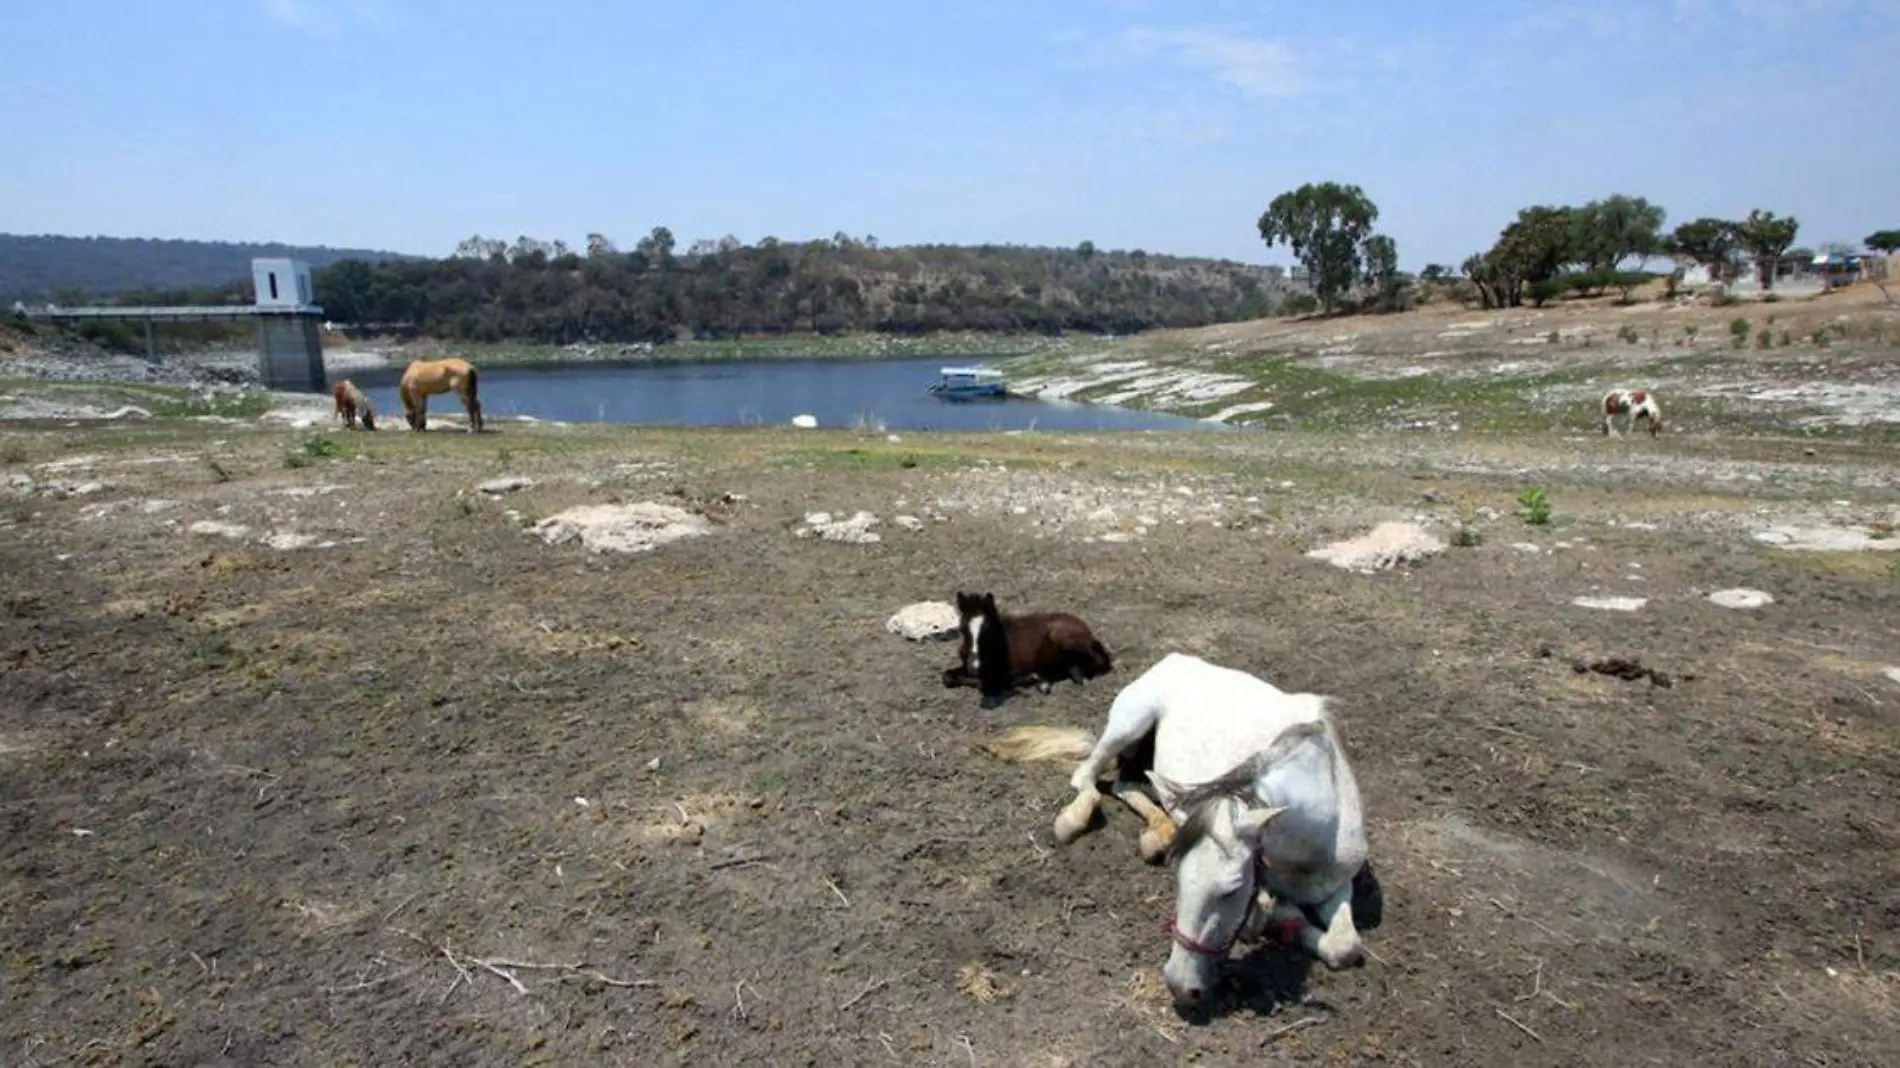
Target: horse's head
x=1215, y=855
x=369, y=419
x=989, y=646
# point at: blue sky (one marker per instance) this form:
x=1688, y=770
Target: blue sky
x=1158, y=124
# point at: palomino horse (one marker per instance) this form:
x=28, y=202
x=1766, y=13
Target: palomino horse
x=1632, y=404
x=1270, y=839
x=350, y=402
x=425, y=378
x=995, y=651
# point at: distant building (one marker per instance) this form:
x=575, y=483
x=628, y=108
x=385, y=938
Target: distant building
x=282, y=283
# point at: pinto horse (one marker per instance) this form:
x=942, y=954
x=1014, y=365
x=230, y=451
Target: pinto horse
x=1270, y=838
x=425, y=378
x=1632, y=404
x=995, y=651
x=352, y=402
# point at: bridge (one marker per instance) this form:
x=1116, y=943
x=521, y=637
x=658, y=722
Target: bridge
x=289, y=346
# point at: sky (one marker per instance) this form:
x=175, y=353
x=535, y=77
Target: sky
x=1166, y=125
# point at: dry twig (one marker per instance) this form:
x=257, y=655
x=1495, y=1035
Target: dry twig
x=735, y=862
x=400, y=905
x=870, y=988
x=840, y=893
x=1517, y=1023
x=1278, y=1033
x=506, y=969
x=520, y=988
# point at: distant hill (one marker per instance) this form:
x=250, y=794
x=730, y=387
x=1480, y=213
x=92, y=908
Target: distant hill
x=533, y=290
x=40, y=266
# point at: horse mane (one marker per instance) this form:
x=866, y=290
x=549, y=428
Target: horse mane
x=1200, y=803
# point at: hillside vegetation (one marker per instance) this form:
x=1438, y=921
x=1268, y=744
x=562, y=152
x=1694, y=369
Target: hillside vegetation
x=542, y=291
x=43, y=267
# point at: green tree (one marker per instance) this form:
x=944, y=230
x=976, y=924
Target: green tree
x=1606, y=232
x=1382, y=275
x=1327, y=225
x=1708, y=242
x=1527, y=258
x=1766, y=237
x=1885, y=242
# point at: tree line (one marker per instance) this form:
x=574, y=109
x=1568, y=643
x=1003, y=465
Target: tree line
x=1547, y=251
x=545, y=291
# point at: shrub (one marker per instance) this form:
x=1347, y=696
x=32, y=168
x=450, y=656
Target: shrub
x=318, y=447
x=1535, y=505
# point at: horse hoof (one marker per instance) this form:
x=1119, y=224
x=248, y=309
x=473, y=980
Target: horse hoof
x=1339, y=961
x=1069, y=828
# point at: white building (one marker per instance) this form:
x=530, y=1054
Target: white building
x=282, y=283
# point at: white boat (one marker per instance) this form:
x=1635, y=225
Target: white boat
x=970, y=382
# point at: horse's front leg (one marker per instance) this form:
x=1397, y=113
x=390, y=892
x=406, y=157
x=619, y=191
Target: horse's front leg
x=1338, y=946
x=1076, y=816
x=1158, y=835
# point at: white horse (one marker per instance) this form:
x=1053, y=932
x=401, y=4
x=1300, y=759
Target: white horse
x=1272, y=827
x=1632, y=405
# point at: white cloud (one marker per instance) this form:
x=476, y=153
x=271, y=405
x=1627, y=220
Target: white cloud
x=322, y=18
x=1254, y=66
x=291, y=13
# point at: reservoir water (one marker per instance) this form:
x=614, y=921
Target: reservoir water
x=892, y=394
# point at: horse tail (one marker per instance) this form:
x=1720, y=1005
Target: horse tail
x=471, y=382
x=1025, y=745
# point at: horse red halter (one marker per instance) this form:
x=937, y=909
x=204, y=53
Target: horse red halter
x=1289, y=929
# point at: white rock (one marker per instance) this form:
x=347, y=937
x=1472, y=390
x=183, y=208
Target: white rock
x=1796, y=537
x=505, y=484
x=1892, y=673
x=1741, y=598
x=1611, y=604
x=908, y=522
x=288, y=542
x=621, y=528
x=1527, y=547
x=924, y=620
x=216, y=528
x=854, y=531
x=1385, y=546
x=1117, y=537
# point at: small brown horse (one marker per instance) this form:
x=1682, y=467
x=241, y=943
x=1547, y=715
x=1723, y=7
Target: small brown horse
x=425, y=378
x=352, y=402
x=995, y=652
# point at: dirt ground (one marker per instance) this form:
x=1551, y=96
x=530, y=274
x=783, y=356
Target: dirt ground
x=433, y=791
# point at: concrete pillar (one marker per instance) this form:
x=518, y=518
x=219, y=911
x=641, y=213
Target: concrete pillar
x=151, y=343
x=290, y=353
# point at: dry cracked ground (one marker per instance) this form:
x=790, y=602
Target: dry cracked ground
x=326, y=754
